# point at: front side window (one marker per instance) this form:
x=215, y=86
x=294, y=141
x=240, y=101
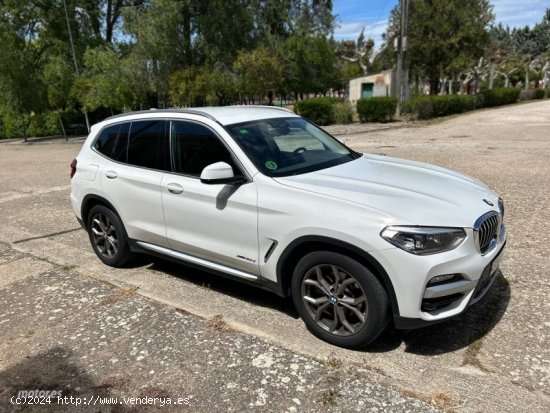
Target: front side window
x=113, y=142
x=146, y=144
x=194, y=147
x=289, y=146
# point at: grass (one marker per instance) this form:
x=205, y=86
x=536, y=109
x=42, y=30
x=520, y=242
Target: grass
x=440, y=399
x=120, y=296
x=217, y=323
x=333, y=362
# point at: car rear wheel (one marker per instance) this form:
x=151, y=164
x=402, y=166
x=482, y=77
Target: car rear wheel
x=108, y=237
x=339, y=299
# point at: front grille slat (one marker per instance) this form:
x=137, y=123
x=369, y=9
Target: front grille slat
x=487, y=232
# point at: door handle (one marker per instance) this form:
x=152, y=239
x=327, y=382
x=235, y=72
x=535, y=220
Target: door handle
x=111, y=174
x=174, y=188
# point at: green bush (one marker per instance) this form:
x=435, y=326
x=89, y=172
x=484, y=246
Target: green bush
x=317, y=110
x=342, y=113
x=14, y=125
x=377, y=109
x=419, y=106
x=540, y=93
x=450, y=104
x=74, y=122
x=500, y=96
x=44, y=124
x=426, y=107
x=528, y=94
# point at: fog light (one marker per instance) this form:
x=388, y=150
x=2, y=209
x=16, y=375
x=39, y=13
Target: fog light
x=438, y=279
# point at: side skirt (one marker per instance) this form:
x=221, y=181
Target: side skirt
x=205, y=265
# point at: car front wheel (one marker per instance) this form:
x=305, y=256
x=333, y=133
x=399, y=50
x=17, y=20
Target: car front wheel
x=339, y=299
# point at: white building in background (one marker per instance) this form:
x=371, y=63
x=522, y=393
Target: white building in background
x=375, y=85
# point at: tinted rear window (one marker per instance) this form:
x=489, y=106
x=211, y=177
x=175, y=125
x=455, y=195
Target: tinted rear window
x=146, y=144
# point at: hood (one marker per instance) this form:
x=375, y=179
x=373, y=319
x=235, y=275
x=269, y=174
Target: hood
x=413, y=193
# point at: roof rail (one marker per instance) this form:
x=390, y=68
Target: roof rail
x=268, y=107
x=140, y=112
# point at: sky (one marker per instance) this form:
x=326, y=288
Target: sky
x=353, y=15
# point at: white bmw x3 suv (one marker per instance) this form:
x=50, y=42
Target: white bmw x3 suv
x=261, y=195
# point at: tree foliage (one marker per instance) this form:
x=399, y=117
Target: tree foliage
x=447, y=36
x=132, y=54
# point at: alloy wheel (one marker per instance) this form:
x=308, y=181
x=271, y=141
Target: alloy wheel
x=334, y=299
x=104, y=235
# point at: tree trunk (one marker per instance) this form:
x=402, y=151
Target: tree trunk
x=434, y=83
x=62, y=126
x=527, y=74
x=108, y=17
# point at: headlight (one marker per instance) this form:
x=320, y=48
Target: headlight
x=424, y=240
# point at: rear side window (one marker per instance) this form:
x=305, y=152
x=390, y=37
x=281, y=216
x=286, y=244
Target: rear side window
x=146, y=144
x=113, y=142
x=194, y=147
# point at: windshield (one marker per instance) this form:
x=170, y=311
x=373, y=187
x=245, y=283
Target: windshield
x=289, y=146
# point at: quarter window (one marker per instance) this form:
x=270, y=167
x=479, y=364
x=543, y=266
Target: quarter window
x=113, y=142
x=194, y=147
x=146, y=144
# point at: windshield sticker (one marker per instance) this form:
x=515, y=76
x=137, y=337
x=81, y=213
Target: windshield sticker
x=243, y=131
x=271, y=165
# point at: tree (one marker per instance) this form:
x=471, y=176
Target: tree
x=447, y=37
x=107, y=81
x=359, y=52
x=148, y=53
x=157, y=49
x=259, y=72
x=312, y=65
x=312, y=17
x=197, y=86
x=523, y=47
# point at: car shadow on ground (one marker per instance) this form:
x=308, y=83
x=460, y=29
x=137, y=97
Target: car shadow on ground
x=223, y=285
x=448, y=336
x=453, y=334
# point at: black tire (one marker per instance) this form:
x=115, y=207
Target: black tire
x=360, y=287
x=100, y=218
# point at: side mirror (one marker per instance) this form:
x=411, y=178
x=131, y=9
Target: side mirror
x=220, y=173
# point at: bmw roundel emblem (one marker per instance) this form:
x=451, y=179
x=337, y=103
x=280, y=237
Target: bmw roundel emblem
x=488, y=202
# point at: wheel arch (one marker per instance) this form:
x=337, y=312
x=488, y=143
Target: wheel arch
x=92, y=200
x=310, y=243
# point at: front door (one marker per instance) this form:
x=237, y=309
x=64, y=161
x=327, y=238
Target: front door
x=217, y=223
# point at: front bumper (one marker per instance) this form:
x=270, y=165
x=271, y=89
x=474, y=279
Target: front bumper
x=420, y=303
x=483, y=286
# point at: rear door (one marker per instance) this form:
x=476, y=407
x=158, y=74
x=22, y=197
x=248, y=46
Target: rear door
x=132, y=178
x=217, y=223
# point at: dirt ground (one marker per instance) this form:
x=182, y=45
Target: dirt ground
x=69, y=322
